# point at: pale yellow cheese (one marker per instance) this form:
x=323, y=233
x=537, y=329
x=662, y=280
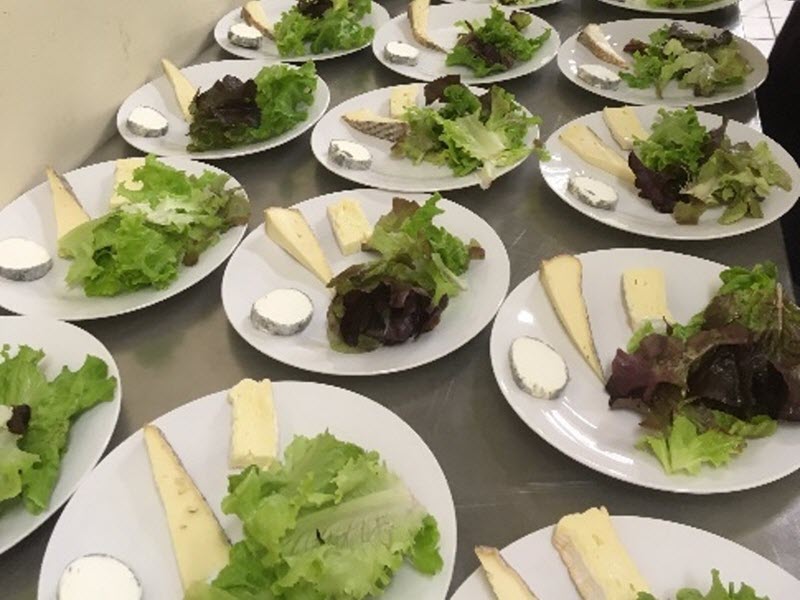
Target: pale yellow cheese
x=254, y=424
x=367, y=114
x=183, y=88
x=645, y=296
x=598, y=563
x=253, y=14
x=505, y=582
x=123, y=174
x=198, y=540
x=562, y=280
x=418, y=13
x=289, y=229
x=403, y=97
x=624, y=125
x=585, y=143
x=67, y=208
x=350, y=225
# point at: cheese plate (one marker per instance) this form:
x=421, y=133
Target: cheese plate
x=635, y=214
x=159, y=95
x=647, y=7
x=260, y=265
x=31, y=216
x=579, y=422
x=683, y=557
x=443, y=29
x=573, y=55
x=63, y=345
x=268, y=49
x=117, y=510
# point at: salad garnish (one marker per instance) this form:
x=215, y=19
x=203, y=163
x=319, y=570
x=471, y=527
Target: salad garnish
x=321, y=25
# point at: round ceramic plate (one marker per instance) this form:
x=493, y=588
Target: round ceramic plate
x=260, y=265
x=31, y=216
x=443, y=30
x=117, y=510
x=524, y=5
x=644, y=6
x=159, y=95
x=572, y=54
x=269, y=51
x=579, y=422
x=635, y=214
x=683, y=557
x=389, y=172
x=63, y=345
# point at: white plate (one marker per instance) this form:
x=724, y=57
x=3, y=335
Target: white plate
x=117, y=510
x=260, y=265
x=31, y=216
x=682, y=557
x=389, y=172
x=521, y=6
x=572, y=54
x=63, y=345
x=643, y=6
x=274, y=9
x=579, y=422
x=443, y=30
x=159, y=95
x=637, y=215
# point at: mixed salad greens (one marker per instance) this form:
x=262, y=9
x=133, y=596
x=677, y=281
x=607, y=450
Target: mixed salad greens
x=37, y=416
x=718, y=591
x=679, y=3
x=495, y=44
x=233, y=112
x=170, y=220
x=402, y=294
x=704, y=61
x=684, y=169
x=321, y=25
x=466, y=132
x=331, y=521
x=726, y=376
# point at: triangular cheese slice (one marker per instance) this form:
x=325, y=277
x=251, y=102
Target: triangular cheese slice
x=418, y=12
x=289, y=229
x=67, y=208
x=505, y=582
x=562, y=279
x=183, y=88
x=254, y=430
x=253, y=14
x=198, y=540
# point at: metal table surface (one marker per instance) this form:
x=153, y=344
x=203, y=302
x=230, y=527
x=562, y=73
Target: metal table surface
x=505, y=481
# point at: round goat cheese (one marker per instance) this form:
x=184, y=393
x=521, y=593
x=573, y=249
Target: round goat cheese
x=350, y=155
x=537, y=368
x=283, y=311
x=593, y=192
x=599, y=76
x=23, y=260
x=246, y=36
x=401, y=53
x=146, y=121
x=98, y=577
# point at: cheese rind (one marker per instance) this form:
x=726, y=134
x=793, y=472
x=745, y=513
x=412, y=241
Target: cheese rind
x=402, y=98
x=245, y=36
x=624, y=125
x=592, y=192
x=645, y=297
x=198, y=540
x=254, y=424
x=350, y=155
x=599, y=76
x=349, y=224
x=598, y=563
x=562, y=280
x=585, y=143
x=288, y=228
x=505, y=582
x=418, y=12
x=67, y=208
x=595, y=40
x=371, y=123
x=253, y=14
x=183, y=88
x=401, y=53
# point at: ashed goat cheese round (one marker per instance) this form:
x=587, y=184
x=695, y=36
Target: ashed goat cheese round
x=537, y=368
x=401, y=53
x=593, y=192
x=23, y=260
x=599, y=76
x=146, y=121
x=285, y=311
x=245, y=36
x=350, y=155
x=98, y=577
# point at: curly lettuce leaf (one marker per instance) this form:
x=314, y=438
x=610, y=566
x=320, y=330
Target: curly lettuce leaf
x=718, y=591
x=676, y=138
x=13, y=463
x=317, y=26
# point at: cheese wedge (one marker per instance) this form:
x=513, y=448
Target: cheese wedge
x=403, y=97
x=562, y=280
x=198, y=540
x=253, y=14
x=183, y=88
x=504, y=580
x=585, y=143
x=254, y=429
x=595, y=40
x=418, y=12
x=645, y=297
x=598, y=564
x=123, y=174
x=289, y=229
x=350, y=225
x=624, y=126
x=369, y=122
x=66, y=206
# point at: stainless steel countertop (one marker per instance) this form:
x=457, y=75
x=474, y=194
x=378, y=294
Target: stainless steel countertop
x=505, y=481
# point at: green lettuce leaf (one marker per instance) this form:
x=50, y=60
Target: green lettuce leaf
x=676, y=139
x=718, y=591
x=299, y=32
x=13, y=463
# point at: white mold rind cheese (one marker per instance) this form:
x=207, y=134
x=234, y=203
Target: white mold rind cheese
x=599, y=76
x=23, y=260
x=245, y=36
x=98, y=577
x=146, y=121
x=592, y=192
x=537, y=368
x=350, y=155
x=282, y=312
x=400, y=53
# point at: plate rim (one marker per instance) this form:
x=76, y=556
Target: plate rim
x=706, y=8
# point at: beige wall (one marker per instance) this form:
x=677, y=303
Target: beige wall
x=66, y=65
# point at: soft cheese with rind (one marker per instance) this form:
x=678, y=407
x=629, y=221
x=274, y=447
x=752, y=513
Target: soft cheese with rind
x=369, y=122
x=599, y=76
x=254, y=424
x=98, y=577
x=644, y=293
x=124, y=169
x=288, y=228
x=598, y=563
x=23, y=260
x=182, y=87
x=592, y=192
x=146, y=121
x=537, y=368
x=245, y=36
x=595, y=40
x=585, y=143
x=284, y=311
x=350, y=225
x=505, y=582
x=67, y=208
x=418, y=13
x=400, y=53
x=253, y=14
x=624, y=125
x=350, y=155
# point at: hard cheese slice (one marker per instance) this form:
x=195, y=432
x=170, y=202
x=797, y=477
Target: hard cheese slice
x=418, y=12
x=562, y=279
x=254, y=435
x=585, y=143
x=645, y=295
x=123, y=174
x=350, y=225
x=371, y=123
x=67, y=208
x=183, y=88
x=288, y=228
x=504, y=580
x=624, y=126
x=200, y=545
x=253, y=14
x=597, y=562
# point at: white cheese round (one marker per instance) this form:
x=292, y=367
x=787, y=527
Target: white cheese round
x=284, y=311
x=593, y=192
x=146, y=121
x=98, y=577
x=401, y=53
x=350, y=155
x=599, y=76
x=244, y=35
x=23, y=260
x=537, y=368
